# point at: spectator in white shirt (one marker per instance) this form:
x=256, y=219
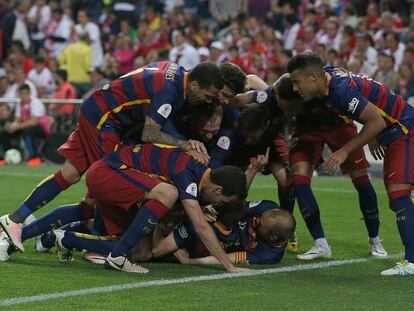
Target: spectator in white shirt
x=42, y=77
x=86, y=26
x=38, y=17
x=332, y=38
x=363, y=45
x=395, y=48
x=183, y=53
x=57, y=32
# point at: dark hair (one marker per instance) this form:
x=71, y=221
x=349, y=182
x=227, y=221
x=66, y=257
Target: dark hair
x=24, y=87
x=233, y=76
x=231, y=179
x=284, y=88
x=39, y=60
x=231, y=213
x=253, y=118
x=304, y=61
x=63, y=74
x=207, y=74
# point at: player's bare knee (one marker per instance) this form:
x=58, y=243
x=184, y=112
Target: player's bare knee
x=302, y=169
x=70, y=173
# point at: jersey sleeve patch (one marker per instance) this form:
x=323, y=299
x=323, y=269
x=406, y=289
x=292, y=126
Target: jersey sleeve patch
x=165, y=110
x=224, y=142
x=261, y=97
x=192, y=189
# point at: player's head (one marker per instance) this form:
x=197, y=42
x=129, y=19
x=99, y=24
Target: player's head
x=24, y=93
x=224, y=184
x=204, y=83
x=307, y=74
x=231, y=213
x=288, y=99
x=276, y=226
x=208, y=129
x=234, y=81
x=253, y=122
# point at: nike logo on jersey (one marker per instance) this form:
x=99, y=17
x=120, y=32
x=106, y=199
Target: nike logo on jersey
x=392, y=174
x=359, y=160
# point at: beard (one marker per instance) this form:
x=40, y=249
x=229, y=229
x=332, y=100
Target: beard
x=194, y=99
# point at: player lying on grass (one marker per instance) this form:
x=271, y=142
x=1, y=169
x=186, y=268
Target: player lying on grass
x=259, y=237
x=388, y=124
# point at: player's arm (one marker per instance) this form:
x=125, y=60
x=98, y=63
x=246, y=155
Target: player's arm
x=261, y=161
x=184, y=259
x=207, y=235
x=152, y=133
x=373, y=125
x=242, y=100
x=254, y=82
x=163, y=245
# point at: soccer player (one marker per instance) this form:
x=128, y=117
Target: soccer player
x=146, y=96
x=260, y=237
x=121, y=180
x=314, y=125
x=388, y=121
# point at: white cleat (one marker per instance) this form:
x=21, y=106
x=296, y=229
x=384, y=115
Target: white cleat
x=38, y=246
x=316, y=252
x=376, y=249
x=122, y=263
x=402, y=268
x=64, y=254
x=13, y=231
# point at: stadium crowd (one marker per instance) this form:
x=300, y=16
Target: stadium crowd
x=65, y=49
x=184, y=102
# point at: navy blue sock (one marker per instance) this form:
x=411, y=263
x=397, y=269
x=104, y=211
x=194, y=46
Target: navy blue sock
x=308, y=206
x=368, y=204
x=143, y=225
x=53, y=220
x=401, y=204
x=98, y=227
x=48, y=239
x=44, y=192
x=93, y=243
x=286, y=197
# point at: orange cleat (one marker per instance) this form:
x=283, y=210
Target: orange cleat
x=33, y=162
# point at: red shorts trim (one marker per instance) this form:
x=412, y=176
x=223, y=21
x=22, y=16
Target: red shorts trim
x=399, y=161
x=118, y=194
x=308, y=147
x=86, y=144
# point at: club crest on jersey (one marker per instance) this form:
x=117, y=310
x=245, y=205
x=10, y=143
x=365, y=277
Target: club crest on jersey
x=352, y=106
x=192, y=189
x=224, y=142
x=261, y=97
x=165, y=110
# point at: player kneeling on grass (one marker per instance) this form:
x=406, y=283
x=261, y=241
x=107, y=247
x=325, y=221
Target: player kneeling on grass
x=260, y=237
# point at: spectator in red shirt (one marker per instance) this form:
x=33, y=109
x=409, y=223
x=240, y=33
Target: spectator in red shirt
x=64, y=90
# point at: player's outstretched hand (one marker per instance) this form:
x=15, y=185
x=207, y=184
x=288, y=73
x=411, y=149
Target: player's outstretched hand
x=336, y=159
x=240, y=270
x=376, y=150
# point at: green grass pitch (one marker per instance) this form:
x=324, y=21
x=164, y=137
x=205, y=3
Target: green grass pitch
x=352, y=286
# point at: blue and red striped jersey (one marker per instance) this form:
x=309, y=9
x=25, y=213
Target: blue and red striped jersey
x=349, y=94
x=154, y=91
x=169, y=163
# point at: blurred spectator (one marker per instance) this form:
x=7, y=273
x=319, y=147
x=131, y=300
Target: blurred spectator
x=32, y=122
x=76, y=59
x=363, y=45
x=218, y=54
x=332, y=37
x=291, y=31
x=98, y=80
x=406, y=80
x=64, y=90
x=204, y=54
x=394, y=47
x=123, y=10
x=86, y=26
x=7, y=140
x=152, y=19
x=183, y=53
x=18, y=57
x=385, y=72
x=57, y=32
x=38, y=17
x=355, y=66
x=42, y=77
x=223, y=11
x=125, y=56
x=14, y=26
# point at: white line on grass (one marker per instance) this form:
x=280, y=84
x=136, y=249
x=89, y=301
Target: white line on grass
x=162, y=282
